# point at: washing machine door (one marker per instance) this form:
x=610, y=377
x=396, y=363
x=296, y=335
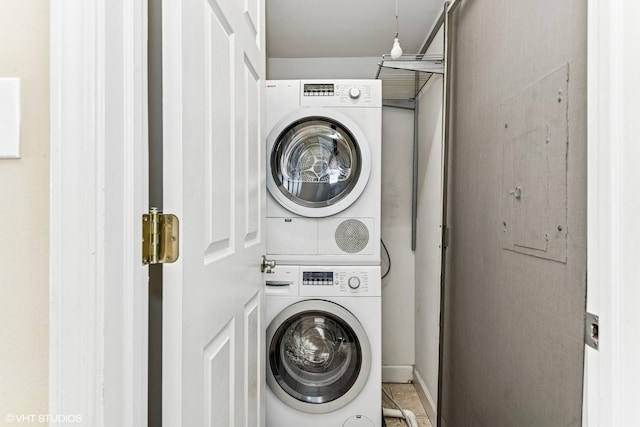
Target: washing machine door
x=319, y=356
x=319, y=162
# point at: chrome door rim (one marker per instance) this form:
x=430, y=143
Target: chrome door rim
x=354, y=192
x=348, y=319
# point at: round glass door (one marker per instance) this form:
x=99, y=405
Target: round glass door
x=316, y=162
x=318, y=353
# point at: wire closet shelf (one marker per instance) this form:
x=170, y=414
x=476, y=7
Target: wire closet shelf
x=403, y=78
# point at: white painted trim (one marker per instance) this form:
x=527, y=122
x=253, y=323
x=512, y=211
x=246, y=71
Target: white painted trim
x=98, y=289
x=76, y=255
x=426, y=398
x=397, y=374
x=612, y=373
x=172, y=117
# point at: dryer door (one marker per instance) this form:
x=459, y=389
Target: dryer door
x=319, y=162
x=318, y=357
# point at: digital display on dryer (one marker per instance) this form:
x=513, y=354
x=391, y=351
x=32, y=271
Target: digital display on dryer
x=318, y=89
x=317, y=278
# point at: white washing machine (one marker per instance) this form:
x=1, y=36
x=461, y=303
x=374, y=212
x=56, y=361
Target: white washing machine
x=324, y=346
x=323, y=171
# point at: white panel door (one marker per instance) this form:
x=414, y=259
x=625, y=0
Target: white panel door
x=214, y=180
x=612, y=373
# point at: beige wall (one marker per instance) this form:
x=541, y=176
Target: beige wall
x=24, y=213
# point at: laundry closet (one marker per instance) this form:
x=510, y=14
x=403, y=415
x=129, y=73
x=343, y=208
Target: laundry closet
x=429, y=173
x=410, y=191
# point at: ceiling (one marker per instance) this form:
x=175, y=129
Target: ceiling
x=346, y=28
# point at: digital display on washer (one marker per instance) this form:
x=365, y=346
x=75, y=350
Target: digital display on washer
x=317, y=278
x=325, y=89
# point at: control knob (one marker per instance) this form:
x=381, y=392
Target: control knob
x=354, y=93
x=354, y=282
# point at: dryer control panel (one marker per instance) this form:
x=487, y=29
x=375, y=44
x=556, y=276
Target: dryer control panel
x=341, y=93
x=318, y=89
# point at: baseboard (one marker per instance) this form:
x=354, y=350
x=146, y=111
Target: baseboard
x=426, y=398
x=397, y=374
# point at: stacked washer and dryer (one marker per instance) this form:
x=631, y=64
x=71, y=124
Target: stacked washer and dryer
x=323, y=298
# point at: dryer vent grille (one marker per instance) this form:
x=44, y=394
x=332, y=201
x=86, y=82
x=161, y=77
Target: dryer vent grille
x=352, y=236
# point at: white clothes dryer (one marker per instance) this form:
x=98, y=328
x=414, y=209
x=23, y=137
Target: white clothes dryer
x=324, y=171
x=324, y=346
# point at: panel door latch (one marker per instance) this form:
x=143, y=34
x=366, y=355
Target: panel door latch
x=591, y=333
x=160, y=237
x=267, y=265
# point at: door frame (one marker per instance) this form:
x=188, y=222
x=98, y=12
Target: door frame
x=98, y=192
x=93, y=318
x=612, y=373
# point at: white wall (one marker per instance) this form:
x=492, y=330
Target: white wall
x=428, y=251
x=398, y=344
x=397, y=142
x=322, y=68
x=24, y=213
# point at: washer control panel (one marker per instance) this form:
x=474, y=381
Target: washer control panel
x=337, y=281
x=323, y=281
x=354, y=282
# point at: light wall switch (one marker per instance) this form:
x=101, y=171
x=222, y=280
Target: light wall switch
x=9, y=118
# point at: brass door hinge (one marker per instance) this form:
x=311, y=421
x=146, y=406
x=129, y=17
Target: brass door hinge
x=160, y=237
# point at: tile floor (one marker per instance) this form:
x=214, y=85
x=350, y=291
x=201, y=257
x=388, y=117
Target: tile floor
x=407, y=398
